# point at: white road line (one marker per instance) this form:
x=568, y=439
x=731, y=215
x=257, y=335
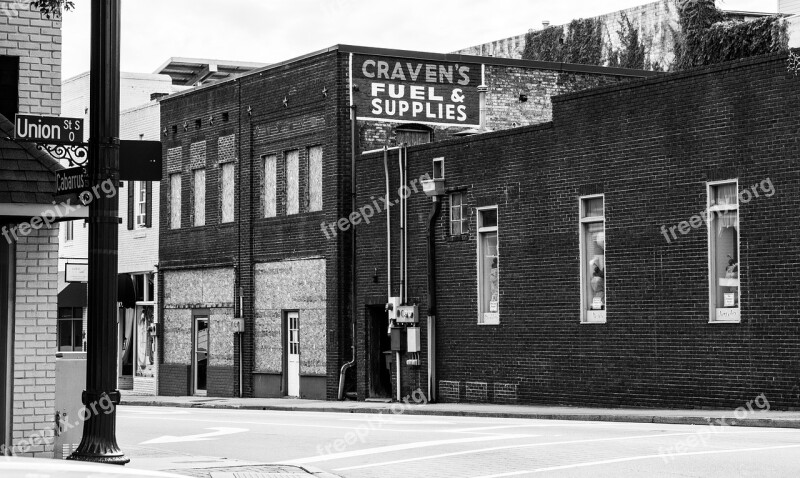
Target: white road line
x=392, y=448
x=372, y=426
x=635, y=458
x=507, y=447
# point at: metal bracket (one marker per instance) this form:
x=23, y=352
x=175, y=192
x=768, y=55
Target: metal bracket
x=76, y=155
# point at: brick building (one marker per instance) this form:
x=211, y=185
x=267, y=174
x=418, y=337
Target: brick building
x=257, y=174
x=598, y=259
x=30, y=76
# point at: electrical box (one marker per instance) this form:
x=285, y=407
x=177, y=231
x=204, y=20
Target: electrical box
x=392, y=307
x=398, y=339
x=413, y=339
x=408, y=314
x=238, y=324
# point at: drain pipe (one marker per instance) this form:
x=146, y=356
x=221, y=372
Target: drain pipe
x=435, y=208
x=403, y=277
x=388, y=229
x=353, y=205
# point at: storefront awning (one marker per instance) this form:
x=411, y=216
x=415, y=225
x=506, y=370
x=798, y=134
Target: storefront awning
x=73, y=295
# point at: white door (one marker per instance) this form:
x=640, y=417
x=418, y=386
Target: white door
x=293, y=349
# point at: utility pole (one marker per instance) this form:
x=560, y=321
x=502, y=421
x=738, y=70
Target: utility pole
x=99, y=441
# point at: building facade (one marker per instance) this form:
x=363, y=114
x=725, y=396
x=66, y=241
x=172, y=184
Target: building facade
x=635, y=251
x=254, y=256
x=30, y=77
x=139, y=203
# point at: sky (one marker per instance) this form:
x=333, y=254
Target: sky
x=268, y=31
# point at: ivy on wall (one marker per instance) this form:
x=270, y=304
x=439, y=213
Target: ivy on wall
x=632, y=54
x=707, y=37
x=582, y=43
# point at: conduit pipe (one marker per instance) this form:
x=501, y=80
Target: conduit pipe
x=431, y=230
x=353, y=206
x=388, y=228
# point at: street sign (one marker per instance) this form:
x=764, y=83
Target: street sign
x=48, y=129
x=404, y=90
x=72, y=180
x=140, y=160
x=76, y=272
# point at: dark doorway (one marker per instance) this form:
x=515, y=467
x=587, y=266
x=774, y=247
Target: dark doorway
x=380, y=353
x=9, y=86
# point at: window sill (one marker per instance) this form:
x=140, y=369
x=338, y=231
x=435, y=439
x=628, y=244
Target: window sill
x=458, y=238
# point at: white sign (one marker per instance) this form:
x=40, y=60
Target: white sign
x=76, y=273
x=730, y=299
x=728, y=315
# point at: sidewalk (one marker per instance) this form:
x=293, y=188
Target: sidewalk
x=254, y=471
x=741, y=417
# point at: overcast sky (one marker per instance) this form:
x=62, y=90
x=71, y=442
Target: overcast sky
x=268, y=31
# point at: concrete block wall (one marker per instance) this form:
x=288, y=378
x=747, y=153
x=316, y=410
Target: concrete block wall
x=35, y=343
x=26, y=33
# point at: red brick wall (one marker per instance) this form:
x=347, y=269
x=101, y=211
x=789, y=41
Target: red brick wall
x=650, y=146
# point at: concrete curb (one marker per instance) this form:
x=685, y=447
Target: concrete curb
x=688, y=419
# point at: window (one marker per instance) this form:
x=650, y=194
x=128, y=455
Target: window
x=199, y=197
x=70, y=329
x=270, y=185
x=292, y=182
x=175, y=201
x=69, y=231
x=413, y=135
x=488, y=267
x=593, y=259
x=9, y=86
x=723, y=250
x=438, y=168
x=141, y=203
x=315, y=178
x=459, y=219
x=226, y=192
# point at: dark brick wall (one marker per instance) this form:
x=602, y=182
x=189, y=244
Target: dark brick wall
x=650, y=146
x=296, y=105
x=221, y=381
x=173, y=379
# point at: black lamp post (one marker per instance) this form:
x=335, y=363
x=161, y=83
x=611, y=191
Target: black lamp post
x=99, y=441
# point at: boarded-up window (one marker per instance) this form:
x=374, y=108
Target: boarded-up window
x=270, y=185
x=315, y=178
x=292, y=182
x=175, y=200
x=227, y=192
x=226, y=147
x=199, y=197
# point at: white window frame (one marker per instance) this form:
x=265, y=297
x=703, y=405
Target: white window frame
x=464, y=221
x=69, y=231
x=711, y=212
x=480, y=231
x=586, y=317
x=140, y=205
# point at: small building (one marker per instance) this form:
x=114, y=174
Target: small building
x=638, y=250
x=30, y=62
x=255, y=249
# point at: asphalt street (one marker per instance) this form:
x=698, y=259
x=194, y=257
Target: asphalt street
x=397, y=445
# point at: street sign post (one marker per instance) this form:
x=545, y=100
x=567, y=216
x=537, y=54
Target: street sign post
x=48, y=129
x=72, y=180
